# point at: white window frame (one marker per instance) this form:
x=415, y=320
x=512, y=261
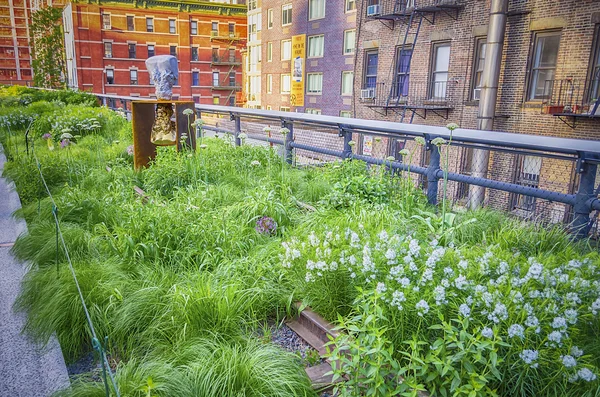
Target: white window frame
x=349, y=50
x=345, y=113
x=309, y=89
x=194, y=28
x=316, y=7
x=283, y=83
x=283, y=52
x=104, y=24
x=350, y=6
x=269, y=84
x=284, y=9
x=312, y=39
x=133, y=72
x=151, y=25
x=110, y=44
x=173, y=29
x=345, y=73
x=270, y=18
x=269, y=51
x=312, y=111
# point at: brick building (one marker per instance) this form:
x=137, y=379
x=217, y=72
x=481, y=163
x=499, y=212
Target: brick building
x=15, y=57
x=329, y=28
x=420, y=61
x=107, y=45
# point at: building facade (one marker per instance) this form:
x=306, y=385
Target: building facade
x=421, y=61
x=15, y=56
x=110, y=42
x=325, y=32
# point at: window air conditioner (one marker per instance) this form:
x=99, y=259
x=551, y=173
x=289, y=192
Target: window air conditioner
x=367, y=93
x=373, y=10
x=476, y=93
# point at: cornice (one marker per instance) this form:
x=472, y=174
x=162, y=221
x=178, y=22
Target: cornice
x=181, y=6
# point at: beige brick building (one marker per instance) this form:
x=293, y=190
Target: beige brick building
x=420, y=61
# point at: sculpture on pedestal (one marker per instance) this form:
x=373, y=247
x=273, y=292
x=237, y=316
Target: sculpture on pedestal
x=163, y=72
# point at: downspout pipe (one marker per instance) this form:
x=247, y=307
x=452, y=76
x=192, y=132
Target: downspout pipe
x=490, y=79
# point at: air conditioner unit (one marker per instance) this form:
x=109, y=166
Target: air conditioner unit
x=373, y=10
x=476, y=93
x=232, y=35
x=367, y=93
x=214, y=33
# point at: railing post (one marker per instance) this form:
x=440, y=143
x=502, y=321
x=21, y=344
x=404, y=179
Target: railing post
x=347, y=135
x=289, y=138
x=582, y=208
x=238, y=128
x=432, y=169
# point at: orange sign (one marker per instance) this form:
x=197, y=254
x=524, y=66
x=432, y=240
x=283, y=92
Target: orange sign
x=298, y=59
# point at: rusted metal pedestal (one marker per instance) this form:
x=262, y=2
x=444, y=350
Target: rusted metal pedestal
x=143, y=116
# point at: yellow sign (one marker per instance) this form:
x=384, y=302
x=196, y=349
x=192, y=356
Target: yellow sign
x=298, y=57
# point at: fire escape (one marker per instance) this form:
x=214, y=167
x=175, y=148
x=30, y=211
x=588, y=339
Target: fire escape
x=404, y=97
x=228, y=82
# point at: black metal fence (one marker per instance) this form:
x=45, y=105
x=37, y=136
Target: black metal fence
x=546, y=179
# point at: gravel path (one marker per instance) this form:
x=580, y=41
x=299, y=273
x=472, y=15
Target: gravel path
x=26, y=369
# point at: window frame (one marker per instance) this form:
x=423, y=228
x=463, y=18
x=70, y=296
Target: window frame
x=216, y=100
x=131, y=46
x=324, y=8
x=130, y=28
x=108, y=46
x=283, y=52
x=196, y=76
x=532, y=70
x=171, y=52
x=281, y=87
x=112, y=76
x=269, y=51
x=284, y=108
x=594, y=69
x=284, y=9
x=365, y=83
x=217, y=80
x=312, y=111
x=153, y=49
x=348, y=112
x=269, y=83
x=106, y=26
x=308, y=81
x=398, y=73
x=431, y=91
x=133, y=81
x=194, y=28
x=347, y=3
x=346, y=72
x=149, y=24
x=172, y=26
x=308, y=41
x=344, y=48
x=479, y=43
x=194, y=55
x=270, y=19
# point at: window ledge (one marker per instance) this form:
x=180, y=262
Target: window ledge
x=472, y=103
x=532, y=105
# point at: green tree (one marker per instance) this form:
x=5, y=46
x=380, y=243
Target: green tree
x=48, y=48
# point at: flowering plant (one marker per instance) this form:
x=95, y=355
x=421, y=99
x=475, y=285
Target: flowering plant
x=266, y=225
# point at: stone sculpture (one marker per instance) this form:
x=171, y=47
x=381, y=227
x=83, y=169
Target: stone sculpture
x=163, y=71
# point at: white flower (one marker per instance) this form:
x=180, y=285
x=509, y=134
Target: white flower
x=516, y=330
x=255, y=163
x=439, y=294
x=576, y=352
x=559, y=323
x=452, y=126
x=352, y=275
x=499, y=313
x=203, y=146
x=571, y=316
x=535, y=271
x=595, y=306
x=404, y=282
x=572, y=298
x=309, y=277
x=568, y=361
x=422, y=308
x=188, y=112
x=404, y=152
x=390, y=255
x=381, y=288
x=530, y=357
x=464, y=310
x=242, y=136
x=420, y=141
x=586, y=374
x=351, y=143
x=390, y=158
x=284, y=131
x=397, y=299
x=555, y=338
x=383, y=236
x=487, y=333
x=463, y=264
x=267, y=129
x=439, y=141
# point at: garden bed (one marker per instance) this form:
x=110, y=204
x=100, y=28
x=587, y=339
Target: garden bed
x=181, y=279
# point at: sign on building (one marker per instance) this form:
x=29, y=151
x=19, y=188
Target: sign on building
x=367, y=145
x=298, y=58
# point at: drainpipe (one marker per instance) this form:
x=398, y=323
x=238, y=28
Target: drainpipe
x=489, y=94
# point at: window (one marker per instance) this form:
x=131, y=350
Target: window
x=195, y=78
x=270, y=18
x=314, y=83
x=232, y=82
x=130, y=23
x=232, y=101
x=215, y=28
x=252, y=4
x=316, y=9
x=232, y=30
x=402, y=72
x=215, y=79
x=439, y=71
x=107, y=50
x=269, y=51
x=313, y=111
x=150, y=50
x=543, y=64
x=529, y=175
x=133, y=77
x=594, y=86
x=345, y=113
x=149, y=24
x=172, y=27
x=371, y=69
x=269, y=83
x=106, y=21
x=173, y=50
x=347, y=83
x=286, y=50
x=349, y=41
x=232, y=55
x=194, y=53
x=479, y=59
x=196, y=99
x=315, y=46
x=194, y=27
x=284, y=108
x=350, y=6
x=132, y=48
x=285, y=83
x=110, y=76
x=216, y=100
x=286, y=14
x=215, y=54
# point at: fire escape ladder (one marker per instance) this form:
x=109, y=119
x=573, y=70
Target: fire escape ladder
x=226, y=78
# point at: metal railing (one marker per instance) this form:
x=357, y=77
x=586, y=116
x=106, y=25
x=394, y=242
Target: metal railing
x=410, y=94
x=572, y=96
x=547, y=179
x=394, y=9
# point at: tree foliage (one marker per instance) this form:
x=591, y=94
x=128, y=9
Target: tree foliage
x=48, y=48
